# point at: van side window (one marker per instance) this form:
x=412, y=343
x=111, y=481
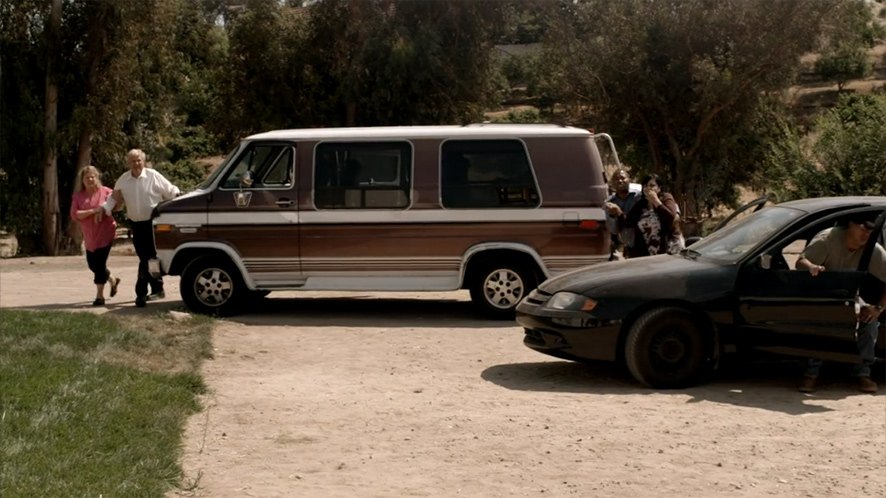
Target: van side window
x=279, y=172
x=486, y=174
x=362, y=175
x=268, y=165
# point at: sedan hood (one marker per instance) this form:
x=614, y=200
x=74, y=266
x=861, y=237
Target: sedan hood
x=653, y=276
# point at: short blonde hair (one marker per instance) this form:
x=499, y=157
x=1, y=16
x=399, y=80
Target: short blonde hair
x=88, y=169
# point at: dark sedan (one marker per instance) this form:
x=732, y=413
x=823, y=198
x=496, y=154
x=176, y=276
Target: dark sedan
x=671, y=317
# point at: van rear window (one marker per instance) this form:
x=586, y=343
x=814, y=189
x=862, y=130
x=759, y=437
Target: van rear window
x=363, y=175
x=486, y=174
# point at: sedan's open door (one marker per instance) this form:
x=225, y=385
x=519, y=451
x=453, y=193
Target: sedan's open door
x=788, y=311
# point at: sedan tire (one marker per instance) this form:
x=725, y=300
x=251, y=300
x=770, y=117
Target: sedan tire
x=665, y=348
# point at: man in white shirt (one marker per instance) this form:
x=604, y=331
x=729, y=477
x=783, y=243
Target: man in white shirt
x=141, y=189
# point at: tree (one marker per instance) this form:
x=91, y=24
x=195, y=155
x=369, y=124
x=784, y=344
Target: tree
x=51, y=221
x=344, y=63
x=846, y=154
x=262, y=77
x=684, y=78
x=115, y=76
x=845, y=53
x=22, y=89
x=843, y=63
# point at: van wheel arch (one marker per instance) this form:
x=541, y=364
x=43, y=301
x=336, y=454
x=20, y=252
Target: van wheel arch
x=186, y=256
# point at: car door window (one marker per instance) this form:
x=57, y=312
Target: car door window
x=785, y=254
x=279, y=172
x=265, y=165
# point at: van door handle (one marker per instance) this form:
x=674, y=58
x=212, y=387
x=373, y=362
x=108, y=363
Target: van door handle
x=284, y=203
x=571, y=218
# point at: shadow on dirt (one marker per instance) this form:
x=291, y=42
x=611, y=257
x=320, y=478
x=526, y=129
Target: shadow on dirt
x=767, y=385
x=366, y=311
x=351, y=311
x=115, y=308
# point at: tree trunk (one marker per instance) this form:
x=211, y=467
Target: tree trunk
x=351, y=114
x=84, y=149
x=84, y=157
x=96, y=49
x=51, y=218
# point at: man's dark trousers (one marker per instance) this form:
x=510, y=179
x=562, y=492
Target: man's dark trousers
x=143, y=240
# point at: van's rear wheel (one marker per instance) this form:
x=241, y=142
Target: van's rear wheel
x=212, y=285
x=498, y=288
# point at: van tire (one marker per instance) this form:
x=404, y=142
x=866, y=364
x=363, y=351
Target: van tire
x=258, y=295
x=212, y=285
x=497, y=288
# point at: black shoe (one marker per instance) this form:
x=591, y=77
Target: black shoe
x=98, y=302
x=866, y=385
x=808, y=384
x=156, y=295
x=140, y=302
x=114, y=283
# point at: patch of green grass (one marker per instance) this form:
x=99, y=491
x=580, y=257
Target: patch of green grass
x=93, y=405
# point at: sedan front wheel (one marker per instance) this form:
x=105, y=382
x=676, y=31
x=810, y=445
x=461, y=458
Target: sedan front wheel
x=665, y=348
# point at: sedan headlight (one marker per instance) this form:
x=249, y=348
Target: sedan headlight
x=570, y=301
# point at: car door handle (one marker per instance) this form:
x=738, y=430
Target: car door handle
x=284, y=203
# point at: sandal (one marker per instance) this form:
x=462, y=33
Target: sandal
x=98, y=302
x=114, y=283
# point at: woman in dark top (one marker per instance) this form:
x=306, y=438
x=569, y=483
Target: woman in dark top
x=655, y=219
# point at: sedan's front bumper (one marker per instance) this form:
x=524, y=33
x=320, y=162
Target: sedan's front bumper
x=567, y=334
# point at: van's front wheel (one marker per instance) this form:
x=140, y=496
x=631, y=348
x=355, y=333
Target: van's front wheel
x=212, y=285
x=498, y=288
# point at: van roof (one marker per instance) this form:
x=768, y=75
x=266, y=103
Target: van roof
x=472, y=130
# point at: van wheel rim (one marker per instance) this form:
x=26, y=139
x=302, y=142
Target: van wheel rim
x=213, y=286
x=503, y=288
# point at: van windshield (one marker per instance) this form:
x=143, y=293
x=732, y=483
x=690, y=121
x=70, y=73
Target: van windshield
x=218, y=170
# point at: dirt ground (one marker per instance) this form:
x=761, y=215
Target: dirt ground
x=390, y=395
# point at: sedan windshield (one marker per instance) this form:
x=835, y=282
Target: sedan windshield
x=732, y=242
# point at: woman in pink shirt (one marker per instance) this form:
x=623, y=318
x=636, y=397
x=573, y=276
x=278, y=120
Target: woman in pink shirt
x=98, y=235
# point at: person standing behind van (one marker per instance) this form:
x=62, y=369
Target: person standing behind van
x=655, y=221
x=617, y=206
x=141, y=189
x=98, y=232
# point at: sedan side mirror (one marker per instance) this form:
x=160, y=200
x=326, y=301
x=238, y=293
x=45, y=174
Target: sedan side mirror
x=765, y=261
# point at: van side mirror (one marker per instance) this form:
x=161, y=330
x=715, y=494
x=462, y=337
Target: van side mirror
x=765, y=261
x=246, y=179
